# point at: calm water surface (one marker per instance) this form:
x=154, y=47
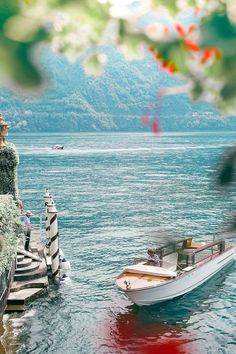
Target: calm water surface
x=116, y=195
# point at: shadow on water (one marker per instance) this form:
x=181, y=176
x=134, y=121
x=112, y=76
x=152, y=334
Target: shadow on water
x=164, y=327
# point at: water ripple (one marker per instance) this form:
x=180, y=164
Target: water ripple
x=117, y=195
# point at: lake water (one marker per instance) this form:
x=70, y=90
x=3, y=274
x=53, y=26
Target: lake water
x=117, y=195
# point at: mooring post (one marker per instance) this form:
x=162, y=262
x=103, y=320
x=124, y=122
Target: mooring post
x=54, y=242
x=47, y=199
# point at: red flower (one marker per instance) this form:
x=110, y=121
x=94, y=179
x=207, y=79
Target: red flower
x=190, y=45
x=151, y=49
x=158, y=56
x=191, y=28
x=180, y=30
x=193, y=46
x=208, y=53
x=172, y=68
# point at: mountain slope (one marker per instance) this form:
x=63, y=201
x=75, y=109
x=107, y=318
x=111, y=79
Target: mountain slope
x=114, y=101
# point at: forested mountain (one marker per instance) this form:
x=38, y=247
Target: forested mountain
x=114, y=101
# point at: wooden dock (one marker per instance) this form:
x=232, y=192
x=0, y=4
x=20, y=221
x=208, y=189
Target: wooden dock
x=30, y=279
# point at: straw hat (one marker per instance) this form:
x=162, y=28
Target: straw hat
x=28, y=213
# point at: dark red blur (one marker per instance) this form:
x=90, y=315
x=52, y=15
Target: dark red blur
x=137, y=332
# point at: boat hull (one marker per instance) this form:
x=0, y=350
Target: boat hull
x=183, y=284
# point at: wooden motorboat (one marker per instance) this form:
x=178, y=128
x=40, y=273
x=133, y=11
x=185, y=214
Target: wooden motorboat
x=183, y=266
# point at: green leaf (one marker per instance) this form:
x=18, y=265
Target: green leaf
x=7, y=8
x=17, y=60
x=218, y=32
x=174, y=52
x=227, y=170
x=197, y=90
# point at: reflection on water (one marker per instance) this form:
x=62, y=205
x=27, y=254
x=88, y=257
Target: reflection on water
x=10, y=331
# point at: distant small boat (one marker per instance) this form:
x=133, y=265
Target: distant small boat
x=183, y=266
x=57, y=147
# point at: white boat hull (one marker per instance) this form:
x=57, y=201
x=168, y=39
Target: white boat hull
x=183, y=283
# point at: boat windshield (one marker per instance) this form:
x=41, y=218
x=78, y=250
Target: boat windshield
x=169, y=248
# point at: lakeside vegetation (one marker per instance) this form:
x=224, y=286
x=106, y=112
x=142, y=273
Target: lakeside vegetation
x=10, y=231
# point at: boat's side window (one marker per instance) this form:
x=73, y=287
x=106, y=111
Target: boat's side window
x=200, y=256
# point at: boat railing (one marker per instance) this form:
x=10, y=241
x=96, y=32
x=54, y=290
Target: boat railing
x=219, y=243
x=187, y=256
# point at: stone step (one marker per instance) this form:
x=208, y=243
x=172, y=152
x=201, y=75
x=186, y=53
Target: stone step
x=30, y=278
x=19, y=257
x=28, y=269
x=35, y=274
x=36, y=248
x=22, y=296
x=29, y=254
x=24, y=263
x=34, y=283
x=14, y=308
x=36, y=255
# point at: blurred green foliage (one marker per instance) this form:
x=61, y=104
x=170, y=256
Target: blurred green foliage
x=204, y=54
x=18, y=40
x=8, y=170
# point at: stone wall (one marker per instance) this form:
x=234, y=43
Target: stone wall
x=9, y=161
x=10, y=230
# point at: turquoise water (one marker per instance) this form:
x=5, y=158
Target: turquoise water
x=117, y=195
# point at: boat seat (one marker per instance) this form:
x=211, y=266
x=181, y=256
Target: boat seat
x=141, y=268
x=170, y=261
x=170, y=266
